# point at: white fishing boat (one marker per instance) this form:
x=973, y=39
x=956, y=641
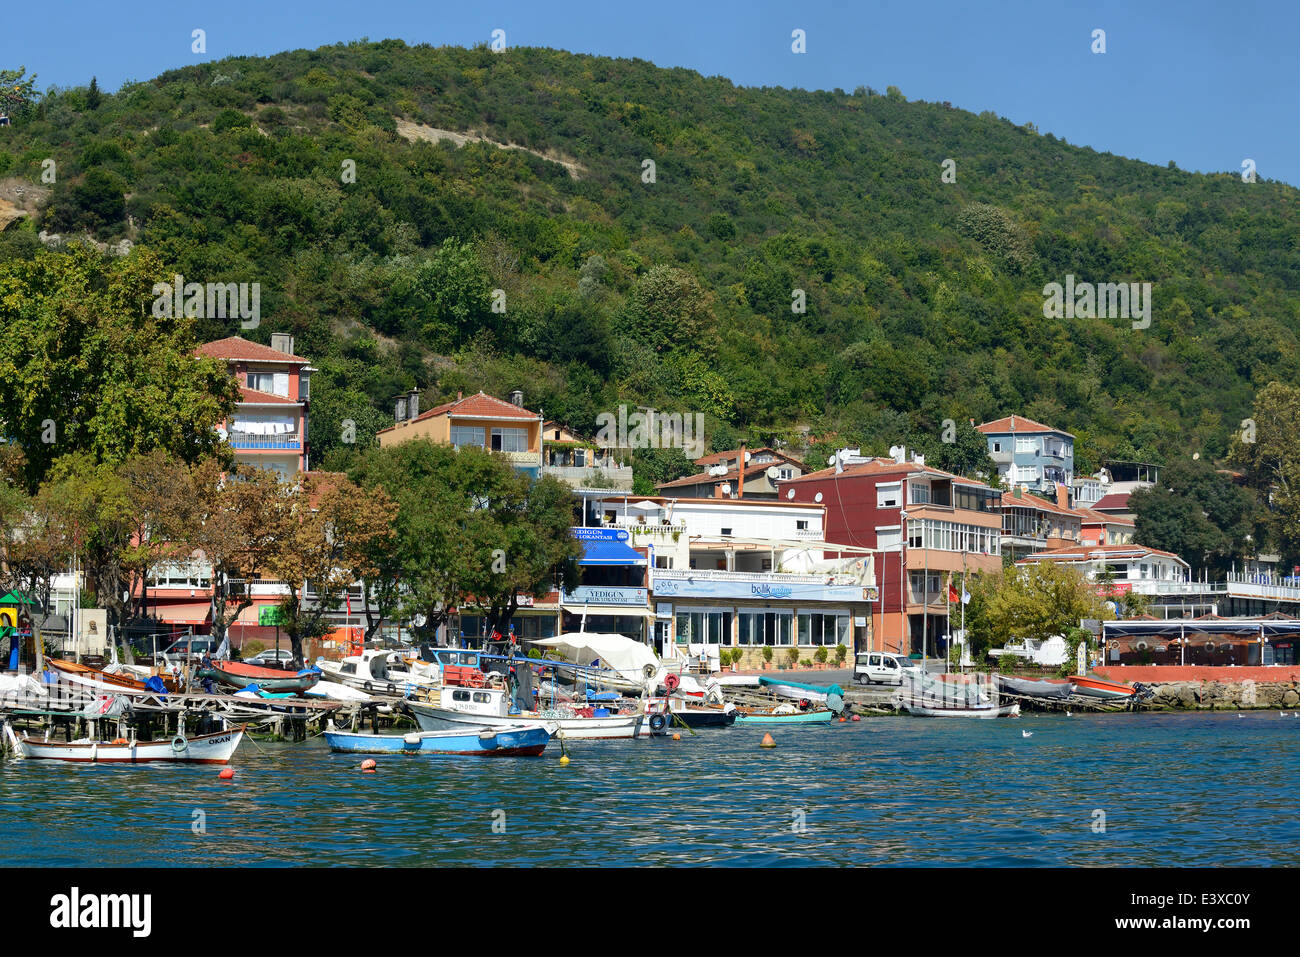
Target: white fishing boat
x=376, y=671
x=462, y=708
x=615, y=662
x=201, y=749
x=336, y=691
x=958, y=710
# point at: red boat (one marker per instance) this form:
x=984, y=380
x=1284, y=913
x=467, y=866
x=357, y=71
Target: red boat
x=1101, y=688
x=239, y=675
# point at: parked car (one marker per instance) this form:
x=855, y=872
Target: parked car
x=881, y=667
x=272, y=659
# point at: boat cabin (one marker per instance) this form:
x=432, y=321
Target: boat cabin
x=375, y=666
x=488, y=702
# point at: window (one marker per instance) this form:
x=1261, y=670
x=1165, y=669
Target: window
x=304, y=387
x=997, y=446
x=1026, y=445
x=919, y=493
x=822, y=628
x=765, y=627
x=889, y=537
x=889, y=496
x=704, y=627
x=663, y=561
x=462, y=435
x=726, y=531
x=786, y=474
x=509, y=440
x=460, y=696
x=482, y=697
x=801, y=524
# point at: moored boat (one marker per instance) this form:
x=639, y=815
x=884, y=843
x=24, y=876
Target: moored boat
x=798, y=691
x=1035, y=687
x=776, y=716
x=104, y=681
x=959, y=711
x=1101, y=688
x=377, y=671
x=460, y=708
x=525, y=740
x=237, y=674
x=201, y=749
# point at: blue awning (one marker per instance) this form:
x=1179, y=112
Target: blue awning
x=609, y=552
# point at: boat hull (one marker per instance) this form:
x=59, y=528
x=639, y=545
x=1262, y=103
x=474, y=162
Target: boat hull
x=517, y=741
x=797, y=691
x=238, y=675
x=798, y=717
x=432, y=718
x=1102, y=689
x=201, y=749
x=704, y=717
x=1032, y=688
x=999, y=711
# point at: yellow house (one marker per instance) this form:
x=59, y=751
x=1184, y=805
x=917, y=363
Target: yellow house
x=480, y=420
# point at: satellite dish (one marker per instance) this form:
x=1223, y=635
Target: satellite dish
x=773, y=472
x=748, y=456
x=831, y=460
x=726, y=488
x=817, y=497
x=789, y=493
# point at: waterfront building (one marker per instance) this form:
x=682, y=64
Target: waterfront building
x=744, y=574
x=1032, y=524
x=579, y=462
x=928, y=527
x=1100, y=528
x=722, y=475
x=1029, y=453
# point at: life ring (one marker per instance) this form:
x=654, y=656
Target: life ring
x=658, y=722
x=368, y=686
x=671, y=682
x=179, y=743
x=120, y=741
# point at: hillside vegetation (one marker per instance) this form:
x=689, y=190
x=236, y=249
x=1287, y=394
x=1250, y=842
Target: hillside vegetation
x=924, y=299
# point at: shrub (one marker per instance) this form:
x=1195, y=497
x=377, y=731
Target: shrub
x=792, y=654
x=767, y=653
x=841, y=652
x=821, y=655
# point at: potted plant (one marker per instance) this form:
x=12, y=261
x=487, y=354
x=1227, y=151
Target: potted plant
x=821, y=656
x=841, y=652
x=736, y=655
x=767, y=657
x=806, y=663
x=793, y=656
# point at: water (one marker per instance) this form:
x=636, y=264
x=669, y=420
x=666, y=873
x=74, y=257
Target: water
x=1175, y=789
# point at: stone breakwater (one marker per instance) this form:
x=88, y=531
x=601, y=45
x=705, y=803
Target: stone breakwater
x=1225, y=695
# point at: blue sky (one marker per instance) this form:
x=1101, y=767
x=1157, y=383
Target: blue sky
x=1203, y=84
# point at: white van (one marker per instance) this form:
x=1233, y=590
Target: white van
x=882, y=667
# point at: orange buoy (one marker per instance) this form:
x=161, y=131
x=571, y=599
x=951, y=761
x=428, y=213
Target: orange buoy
x=121, y=741
x=368, y=764
x=842, y=720
x=676, y=736
x=767, y=741
x=226, y=774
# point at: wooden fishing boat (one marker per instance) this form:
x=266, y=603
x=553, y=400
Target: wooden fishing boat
x=525, y=740
x=1101, y=688
x=201, y=749
x=775, y=716
x=104, y=681
x=236, y=674
x=462, y=708
x=1035, y=687
x=959, y=711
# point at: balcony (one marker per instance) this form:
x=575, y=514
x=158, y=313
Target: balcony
x=583, y=476
x=288, y=443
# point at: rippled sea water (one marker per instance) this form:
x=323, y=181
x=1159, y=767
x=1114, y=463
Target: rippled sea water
x=1175, y=789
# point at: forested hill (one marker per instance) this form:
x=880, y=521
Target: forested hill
x=924, y=299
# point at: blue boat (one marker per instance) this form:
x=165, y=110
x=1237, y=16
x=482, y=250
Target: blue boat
x=524, y=740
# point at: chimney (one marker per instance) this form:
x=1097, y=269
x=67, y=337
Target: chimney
x=517, y=398
x=282, y=342
x=741, y=492
x=459, y=396
x=1062, y=495
x=399, y=409
x=413, y=404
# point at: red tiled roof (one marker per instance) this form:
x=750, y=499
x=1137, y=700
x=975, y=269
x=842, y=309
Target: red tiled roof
x=478, y=405
x=701, y=478
x=1113, y=500
x=253, y=395
x=1016, y=423
x=717, y=458
x=1085, y=552
x=1093, y=517
x=241, y=350
x=883, y=467
x=1036, y=501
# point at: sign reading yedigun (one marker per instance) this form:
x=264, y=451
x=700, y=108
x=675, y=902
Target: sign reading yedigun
x=758, y=591
x=606, y=595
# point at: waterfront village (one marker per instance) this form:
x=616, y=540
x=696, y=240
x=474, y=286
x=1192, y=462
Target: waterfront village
x=728, y=588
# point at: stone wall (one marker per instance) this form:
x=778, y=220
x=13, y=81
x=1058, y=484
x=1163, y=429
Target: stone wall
x=1226, y=695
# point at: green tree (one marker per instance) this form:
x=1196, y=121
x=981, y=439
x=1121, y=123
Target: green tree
x=86, y=367
x=16, y=90
x=1268, y=451
x=1041, y=600
x=668, y=310
x=1195, y=512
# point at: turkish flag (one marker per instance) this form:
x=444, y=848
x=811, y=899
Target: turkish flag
x=952, y=594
